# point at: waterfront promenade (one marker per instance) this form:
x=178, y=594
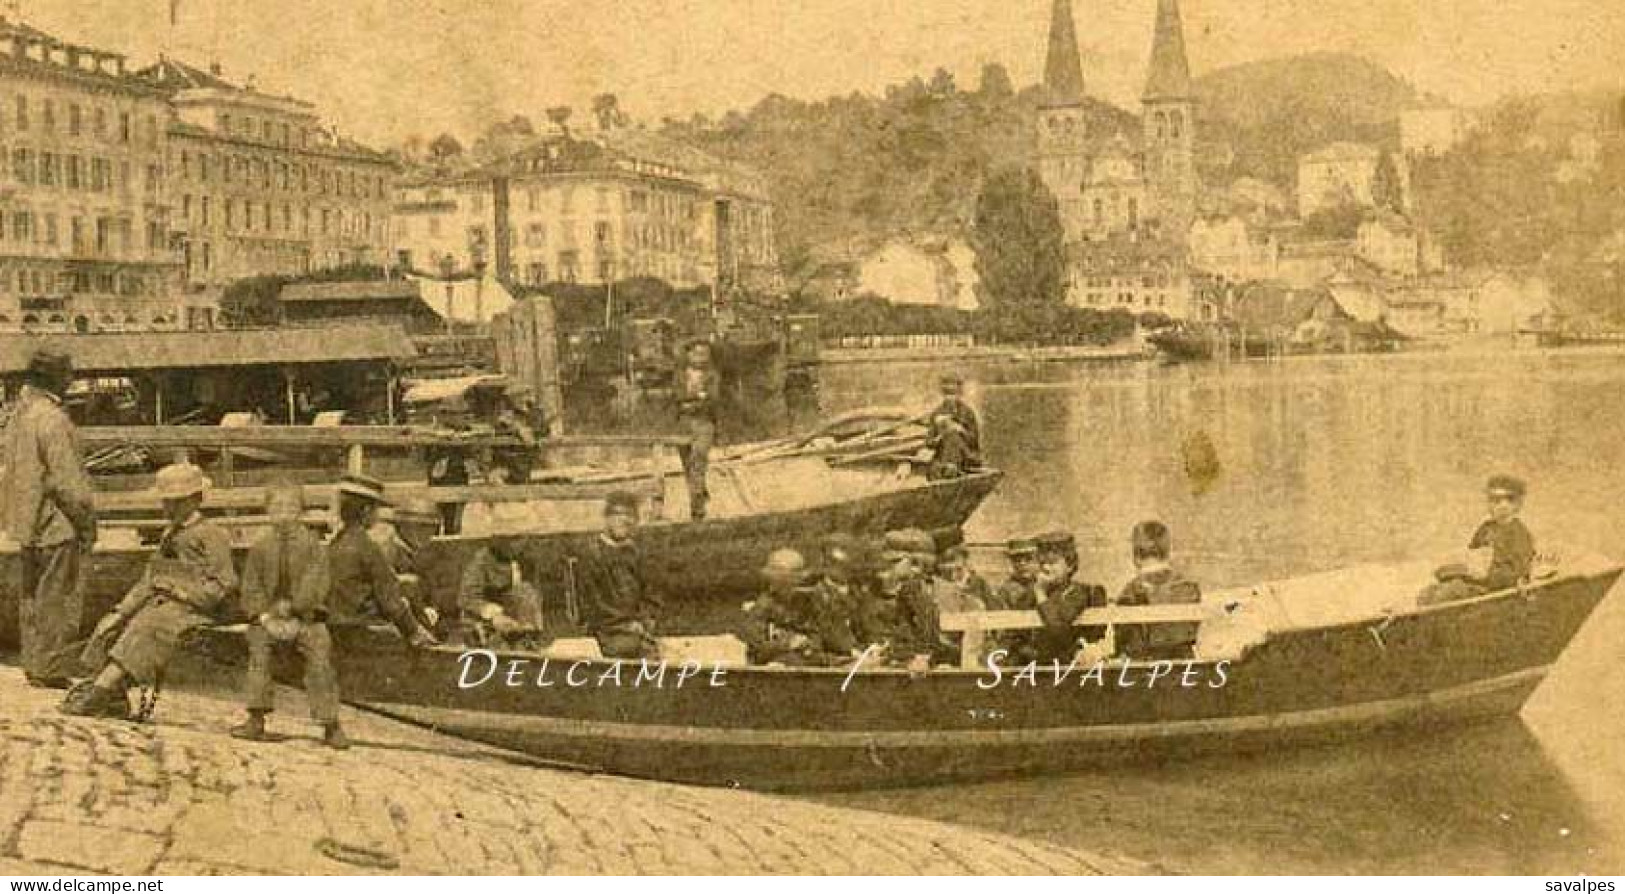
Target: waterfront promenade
x=182, y=797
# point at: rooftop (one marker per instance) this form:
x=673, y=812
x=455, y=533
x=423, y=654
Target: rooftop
x=116, y=352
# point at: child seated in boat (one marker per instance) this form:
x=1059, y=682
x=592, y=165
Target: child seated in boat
x=1017, y=591
x=901, y=617
x=956, y=434
x=791, y=623
x=621, y=608
x=1156, y=583
x=499, y=607
x=957, y=586
x=284, y=595
x=1058, y=598
x=1501, y=553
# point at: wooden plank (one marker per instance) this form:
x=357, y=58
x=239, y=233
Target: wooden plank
x=321, y=495
x=959, y=622
x=342, y=437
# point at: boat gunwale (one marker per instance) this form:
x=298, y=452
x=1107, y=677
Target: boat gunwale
x=879, y=670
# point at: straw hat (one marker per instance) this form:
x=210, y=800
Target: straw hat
x=364, y=486
x=179, y=481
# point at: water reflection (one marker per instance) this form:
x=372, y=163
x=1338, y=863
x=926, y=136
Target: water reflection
x=1322, y=462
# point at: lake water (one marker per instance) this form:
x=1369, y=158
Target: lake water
x=1274, y=469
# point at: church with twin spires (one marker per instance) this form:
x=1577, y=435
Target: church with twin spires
x=1127, y=199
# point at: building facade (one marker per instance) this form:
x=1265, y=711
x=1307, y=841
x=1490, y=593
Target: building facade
x=1339, y=175
x=260, y=186
x=84, y=219
x=587, y=212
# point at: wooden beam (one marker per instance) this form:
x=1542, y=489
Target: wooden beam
x=321, y=495
x=339, y=437
x=960, y=622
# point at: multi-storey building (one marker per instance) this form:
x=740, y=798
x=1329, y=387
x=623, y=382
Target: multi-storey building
x=1339, y=175
x=591, y=212
x=84, y=228
x=260, y=186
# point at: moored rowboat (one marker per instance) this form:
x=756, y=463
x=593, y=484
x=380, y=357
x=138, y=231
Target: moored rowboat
x=1320, y=658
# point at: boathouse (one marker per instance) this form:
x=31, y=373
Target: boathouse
x=283, y=376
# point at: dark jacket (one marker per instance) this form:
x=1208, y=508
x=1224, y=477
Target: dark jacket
x=363, y=585
x=1163, y=586
x=697, y=392
x=286, y=565
x=192, y=565
x=907, y=620
x=614, y=591
x=1513, y=550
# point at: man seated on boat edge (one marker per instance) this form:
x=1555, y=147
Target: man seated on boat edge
x=900, y=617
x=284, y=594
x=621, y=609
x=1501, y=553
x=1156, y=582
x=363, y=586
x=405, y=541
x=498, y=607
x=956, y=433
x=187, y=581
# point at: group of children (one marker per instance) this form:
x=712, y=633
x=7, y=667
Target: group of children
x=889, y=602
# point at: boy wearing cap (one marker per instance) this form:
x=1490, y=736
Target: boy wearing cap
x=363, y=585
x=1018, y=592
x=51, y=515
x=1510, y=546
x=497, y=604
x=621, y=610
x=1156, y=583
x=185, y=584
x=1060, y=600
x=406, y=540
x=284, y=594
x=956, y=433
x=959, y=588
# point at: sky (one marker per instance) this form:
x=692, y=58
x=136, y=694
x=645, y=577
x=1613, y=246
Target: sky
x=385, y=69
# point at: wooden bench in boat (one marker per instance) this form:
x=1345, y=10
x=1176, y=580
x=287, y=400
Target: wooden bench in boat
x=974, y=626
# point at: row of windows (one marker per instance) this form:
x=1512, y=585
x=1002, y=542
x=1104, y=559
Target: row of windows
x=1127, y=299
x=90, y=174
x=262, y=129
x=204, y=167
x=1157, y=281
x=242, y=215
x=104, y=236
x=35, y=281
x=48, y=117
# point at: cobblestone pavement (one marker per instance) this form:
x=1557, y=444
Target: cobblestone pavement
x=182, y=797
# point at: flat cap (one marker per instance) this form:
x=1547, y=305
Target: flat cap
x=1507, y=484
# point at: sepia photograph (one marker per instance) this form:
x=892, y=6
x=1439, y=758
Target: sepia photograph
x=503, y=438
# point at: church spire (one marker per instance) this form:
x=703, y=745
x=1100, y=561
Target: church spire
x=1170, y=77
x=1063, y=68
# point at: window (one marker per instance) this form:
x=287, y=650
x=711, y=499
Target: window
x=22, y=113
x=600, y=233
x=638, y=200
x=76, y=120
x=51, y=236
x=48, y=115
x=75, y=172
x=479, y=202
x=537, y=273
x=101, y=122
x=533, y=200
x=47, y=169
x=535, y=236
x=124, y=127
x=231, y=214
x=22, y=228
x=203, y=211
x=22, y=164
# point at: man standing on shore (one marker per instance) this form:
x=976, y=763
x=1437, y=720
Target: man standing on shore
x=50, y=512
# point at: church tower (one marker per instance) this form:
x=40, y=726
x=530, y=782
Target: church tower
x=1169, y=104
x=1062, y=127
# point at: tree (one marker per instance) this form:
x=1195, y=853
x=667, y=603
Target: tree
x=560, y=116
x=1020, y=253
x=1387, y=190
x=606, y=108
x=445, y=149
x=996, y=84
x=942, y=84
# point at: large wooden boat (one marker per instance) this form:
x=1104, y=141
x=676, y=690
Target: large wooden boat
x=1318, y=659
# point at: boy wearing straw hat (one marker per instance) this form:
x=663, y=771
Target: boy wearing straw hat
x=188, y=579
x=363, y=585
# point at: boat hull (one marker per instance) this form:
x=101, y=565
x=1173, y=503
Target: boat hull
x=777, y=728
